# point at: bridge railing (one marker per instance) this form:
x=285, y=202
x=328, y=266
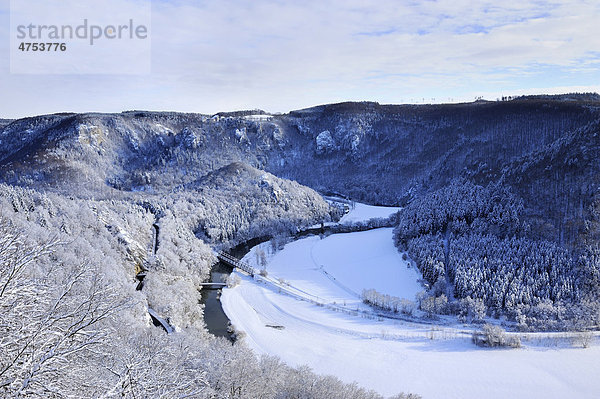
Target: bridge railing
x=233, y=261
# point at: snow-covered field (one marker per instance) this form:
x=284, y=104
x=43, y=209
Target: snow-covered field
x=360, y=212
x=280, y=316
x=363, y=212
x=338, y=267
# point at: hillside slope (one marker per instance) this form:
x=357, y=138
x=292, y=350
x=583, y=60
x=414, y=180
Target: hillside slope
x=375, y=153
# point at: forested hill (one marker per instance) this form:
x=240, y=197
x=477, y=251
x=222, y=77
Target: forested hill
x=541, y=146
x=376, y=153
x=521, y=241
x=383, y=153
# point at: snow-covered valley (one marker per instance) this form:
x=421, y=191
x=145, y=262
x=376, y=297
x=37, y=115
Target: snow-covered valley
x=497, y=208
x=307, y=310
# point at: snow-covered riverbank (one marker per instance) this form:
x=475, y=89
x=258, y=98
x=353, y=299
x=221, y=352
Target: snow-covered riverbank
x=387, y=355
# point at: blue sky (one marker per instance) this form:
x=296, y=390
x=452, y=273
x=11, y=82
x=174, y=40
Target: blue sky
x=209, y=56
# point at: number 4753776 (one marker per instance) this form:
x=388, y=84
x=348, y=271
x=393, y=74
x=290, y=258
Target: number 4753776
x=43, y=47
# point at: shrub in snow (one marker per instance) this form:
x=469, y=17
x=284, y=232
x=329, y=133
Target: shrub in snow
x=237, y=335
x=495, y=336
x=407, y=307
x=233, y=280
x=278, y=242
x=583, y=339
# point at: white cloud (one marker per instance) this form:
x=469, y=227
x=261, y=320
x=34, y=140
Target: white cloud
x=281, y=55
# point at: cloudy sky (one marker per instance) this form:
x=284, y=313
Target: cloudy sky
x=210, y=56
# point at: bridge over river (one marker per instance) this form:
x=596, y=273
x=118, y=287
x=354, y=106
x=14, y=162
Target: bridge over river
x=235, y=263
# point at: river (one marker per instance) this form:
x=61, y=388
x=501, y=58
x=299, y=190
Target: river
x=215, y=319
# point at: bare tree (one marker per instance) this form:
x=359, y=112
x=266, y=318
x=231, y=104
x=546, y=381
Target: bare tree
x=148, y=363
x=46, y=326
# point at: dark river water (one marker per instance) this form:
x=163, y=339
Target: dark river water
x=215, y=319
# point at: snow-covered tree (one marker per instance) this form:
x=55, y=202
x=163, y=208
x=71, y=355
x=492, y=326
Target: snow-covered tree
x=49, y=328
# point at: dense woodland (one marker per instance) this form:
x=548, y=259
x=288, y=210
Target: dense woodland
x=473, y=242
x=501, y=215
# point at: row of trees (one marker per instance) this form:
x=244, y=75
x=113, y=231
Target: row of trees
x=388, y=302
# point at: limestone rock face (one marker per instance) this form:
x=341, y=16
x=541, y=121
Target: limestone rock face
x=325, y=143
